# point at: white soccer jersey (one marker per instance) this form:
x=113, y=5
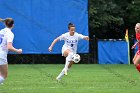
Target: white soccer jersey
x=5, y=36
x=70, y=41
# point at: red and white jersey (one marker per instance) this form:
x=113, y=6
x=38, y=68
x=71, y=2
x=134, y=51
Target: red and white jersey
x=138, y=39
x=5, y=36
x=71, y=42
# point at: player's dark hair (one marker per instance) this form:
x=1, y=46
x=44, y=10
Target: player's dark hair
x=70, y=25
x=9, y=22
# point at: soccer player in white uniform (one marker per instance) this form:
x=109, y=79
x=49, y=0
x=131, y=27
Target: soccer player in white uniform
x=69, y=48
x=6, y=40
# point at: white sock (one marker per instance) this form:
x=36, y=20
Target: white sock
x=1, y=79
x=66, y=65
x=61, y=74
x=63, y=71
x=68, y=59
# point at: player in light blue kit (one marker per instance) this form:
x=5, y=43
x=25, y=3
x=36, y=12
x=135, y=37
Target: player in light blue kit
x=69, y=48
x=6, y=40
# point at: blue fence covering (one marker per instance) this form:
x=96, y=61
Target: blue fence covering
x=39, y=22
x=112, y=52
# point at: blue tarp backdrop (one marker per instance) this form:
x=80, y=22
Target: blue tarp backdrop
x=39, y=22
x=112, y=52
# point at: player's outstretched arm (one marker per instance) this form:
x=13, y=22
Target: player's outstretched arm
x=134, y=45
x=86, y=38
x=53, y=43
x=11, y=48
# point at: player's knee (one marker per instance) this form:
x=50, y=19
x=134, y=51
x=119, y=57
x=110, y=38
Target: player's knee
x=135, y=62
x=66, y=52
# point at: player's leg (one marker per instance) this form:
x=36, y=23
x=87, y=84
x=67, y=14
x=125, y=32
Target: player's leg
x=136, y=61
x=68, y=62
x=60, y=75
x=3, y=72
x=134, y=58
x=68, y=54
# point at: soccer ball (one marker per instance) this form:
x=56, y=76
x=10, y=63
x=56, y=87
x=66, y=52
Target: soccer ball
x=76, y=58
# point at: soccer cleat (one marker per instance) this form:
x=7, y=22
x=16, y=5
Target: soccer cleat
x=65, y=73
x=58, y=79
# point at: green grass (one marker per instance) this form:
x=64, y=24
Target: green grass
x=82, y=78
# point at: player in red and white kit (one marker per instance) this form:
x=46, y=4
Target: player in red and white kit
x=69, y=48
x=136, y=59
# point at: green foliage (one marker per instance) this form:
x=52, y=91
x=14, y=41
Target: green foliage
x=113, y=17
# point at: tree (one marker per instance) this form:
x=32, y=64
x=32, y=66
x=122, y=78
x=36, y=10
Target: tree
x=110, y=18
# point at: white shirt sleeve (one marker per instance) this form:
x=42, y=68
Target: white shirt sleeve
x=80, y=36
x=62, y=37
x=10, y=37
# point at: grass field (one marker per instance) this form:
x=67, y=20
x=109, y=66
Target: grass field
x=82, y=78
